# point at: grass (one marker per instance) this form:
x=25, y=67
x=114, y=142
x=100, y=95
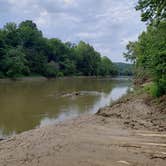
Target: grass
x=152, y=89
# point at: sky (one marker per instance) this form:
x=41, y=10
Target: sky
x=107, y=25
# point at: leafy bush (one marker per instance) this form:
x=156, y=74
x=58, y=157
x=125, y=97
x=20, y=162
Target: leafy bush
x=60, y=74
x=154, y=89
x=2, y=74
x=51, y=70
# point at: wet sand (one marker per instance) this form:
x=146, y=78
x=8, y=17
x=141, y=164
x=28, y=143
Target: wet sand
x=131, y=132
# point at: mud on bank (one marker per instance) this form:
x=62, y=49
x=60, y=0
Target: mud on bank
x=131, y=132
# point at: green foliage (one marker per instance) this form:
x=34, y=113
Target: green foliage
x=68, y=67
x=152, y=10
x=60, y=74
x=24, y=51
x=36, y=61
x=51, y=69
x=124, y=69
x=87, y=59
x=11, y=35
x=148, y=53
x=132, y=52
x=14, y=63
x=152, y=89
x=107, y=67
x=29, y=34
x=2, y=74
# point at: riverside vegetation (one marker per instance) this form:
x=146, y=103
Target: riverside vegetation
x=24, y=51
x=148, y=53
x=130, y=132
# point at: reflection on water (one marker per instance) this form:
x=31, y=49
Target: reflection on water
x=30, y=104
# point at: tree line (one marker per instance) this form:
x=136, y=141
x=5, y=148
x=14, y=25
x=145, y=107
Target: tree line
x=124, y=69
x=25, y=52
x=148, y=53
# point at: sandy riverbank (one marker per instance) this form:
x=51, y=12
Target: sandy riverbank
x=131, y=132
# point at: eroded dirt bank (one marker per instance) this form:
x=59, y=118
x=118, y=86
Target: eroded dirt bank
x=131, y=132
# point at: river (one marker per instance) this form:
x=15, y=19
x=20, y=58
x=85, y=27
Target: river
x=25, y=105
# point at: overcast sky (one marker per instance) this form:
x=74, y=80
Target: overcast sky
x=108, y=25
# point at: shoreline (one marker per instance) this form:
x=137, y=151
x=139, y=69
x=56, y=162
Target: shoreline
x=130, y=132
x=40, y=78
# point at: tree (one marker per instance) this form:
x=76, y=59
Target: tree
x=149, y=54
x=58, y=50
x=88, y=60
x=29, y=34
x=107, y=67
x=51, y=69
x=152, y=10
x=68, y=67
x=11, y=35
x=14, y=63
x=35, y=46
x=2, y=44
x=132, y=52
x=24, y=50
x=124, y=69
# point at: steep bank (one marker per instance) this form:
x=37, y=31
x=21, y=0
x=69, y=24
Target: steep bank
x=139, y=110
x=131, y=132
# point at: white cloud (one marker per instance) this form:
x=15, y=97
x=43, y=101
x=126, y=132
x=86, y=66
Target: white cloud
x=126, y=40
x=89, y=35
x=69, y=1
x=43, y=19
x=106, y=24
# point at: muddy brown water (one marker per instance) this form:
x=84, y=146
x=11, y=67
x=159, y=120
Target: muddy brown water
x=25, y=105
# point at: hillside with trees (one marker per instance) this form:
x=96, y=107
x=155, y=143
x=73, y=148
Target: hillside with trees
x=148, y=53
x=25, y=52
x=124, y=69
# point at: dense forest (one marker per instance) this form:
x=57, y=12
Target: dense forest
x=25, y=52
x=124, y=69
x=148, y=53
